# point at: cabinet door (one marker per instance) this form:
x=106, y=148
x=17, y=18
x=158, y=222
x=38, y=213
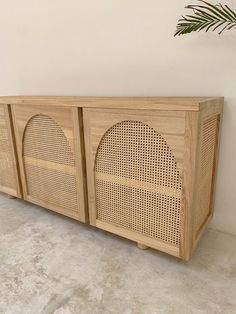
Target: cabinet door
x=135, y=168
x=49, y=150
x=9, y=179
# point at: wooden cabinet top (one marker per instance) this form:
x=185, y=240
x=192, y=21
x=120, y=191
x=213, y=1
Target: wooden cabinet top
x=151, y=103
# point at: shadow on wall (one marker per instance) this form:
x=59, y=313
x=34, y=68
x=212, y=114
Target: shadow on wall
x=225, y=215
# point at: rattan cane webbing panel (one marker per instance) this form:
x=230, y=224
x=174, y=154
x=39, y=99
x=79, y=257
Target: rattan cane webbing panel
x=138, y=185
x=208, y=138
x=49, y=163
x=7, y=165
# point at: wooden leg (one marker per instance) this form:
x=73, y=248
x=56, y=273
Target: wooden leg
x=10, y=196
x=142, y=246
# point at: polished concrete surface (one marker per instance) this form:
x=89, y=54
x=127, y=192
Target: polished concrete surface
x=52, y=264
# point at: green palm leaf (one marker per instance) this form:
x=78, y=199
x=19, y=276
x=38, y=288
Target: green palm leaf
x=206, y=16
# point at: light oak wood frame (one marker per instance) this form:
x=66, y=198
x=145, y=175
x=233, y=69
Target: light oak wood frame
x=170, y=124
x=70, y=121
x=208, y=111
x=195, y=109
x=191, y=177
x=186, y=148
x=6, y=124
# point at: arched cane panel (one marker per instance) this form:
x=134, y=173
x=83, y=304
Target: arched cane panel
x=49, y=163
x=138, y=184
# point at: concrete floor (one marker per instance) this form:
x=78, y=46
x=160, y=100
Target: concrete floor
x=51, y=264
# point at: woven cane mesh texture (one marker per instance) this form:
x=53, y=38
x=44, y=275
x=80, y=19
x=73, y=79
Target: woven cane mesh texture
x=7, y=166
x=49, y=163
x=138, y=185
x=208, y=138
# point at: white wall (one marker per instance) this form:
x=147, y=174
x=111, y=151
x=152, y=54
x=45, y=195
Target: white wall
x=117, y=47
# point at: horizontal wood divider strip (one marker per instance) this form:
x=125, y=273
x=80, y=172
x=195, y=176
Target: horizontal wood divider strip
x=139, y=184
x=140, y=238
x=50, y=165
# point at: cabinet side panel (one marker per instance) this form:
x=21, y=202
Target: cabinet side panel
x=189, y=182
x=208, y=137
x=8, y=168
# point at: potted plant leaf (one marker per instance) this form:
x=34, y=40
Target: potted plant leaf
x=208, y=17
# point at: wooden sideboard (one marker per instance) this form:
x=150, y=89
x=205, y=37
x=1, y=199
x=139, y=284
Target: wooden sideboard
x=141, y=168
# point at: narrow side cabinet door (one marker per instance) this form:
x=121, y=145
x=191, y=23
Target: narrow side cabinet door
x=135, y=168
x=9, y=178
x=49, y=150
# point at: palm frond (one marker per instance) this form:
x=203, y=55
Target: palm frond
x=206, y=16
